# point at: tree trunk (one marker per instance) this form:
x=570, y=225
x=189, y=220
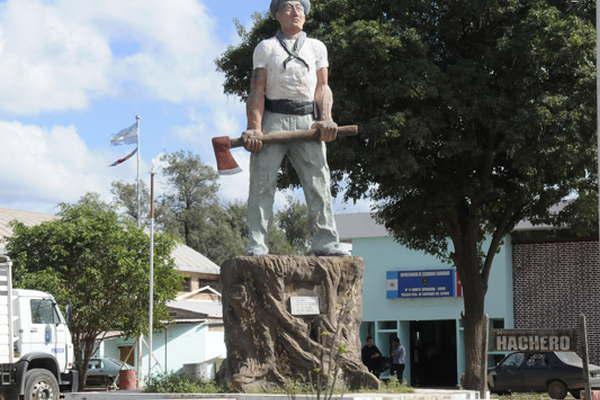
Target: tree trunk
x=474, y=326
x=83, y=348
x=77, y=352
x=469, y=266
x=268, y=346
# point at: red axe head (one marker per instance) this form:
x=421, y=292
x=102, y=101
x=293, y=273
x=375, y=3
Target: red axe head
x=226, y=165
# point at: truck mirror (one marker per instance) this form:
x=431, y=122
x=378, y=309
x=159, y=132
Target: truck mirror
x=69, y=312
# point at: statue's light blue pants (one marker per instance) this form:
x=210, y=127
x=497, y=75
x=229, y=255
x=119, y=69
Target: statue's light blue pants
x=309, y=159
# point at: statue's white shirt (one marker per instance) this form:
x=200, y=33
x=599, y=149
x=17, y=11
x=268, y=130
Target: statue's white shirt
x=296, y=82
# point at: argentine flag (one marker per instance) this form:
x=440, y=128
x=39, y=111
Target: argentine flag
x=125, y=136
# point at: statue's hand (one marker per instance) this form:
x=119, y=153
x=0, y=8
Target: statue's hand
x=327, y=130
x=252, y=140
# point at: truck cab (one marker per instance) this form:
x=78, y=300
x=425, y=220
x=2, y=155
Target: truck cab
x=36, y=351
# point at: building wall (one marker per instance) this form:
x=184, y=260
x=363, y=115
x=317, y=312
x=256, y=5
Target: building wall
x=382, y=254
x=554, y=283
x=185, y=343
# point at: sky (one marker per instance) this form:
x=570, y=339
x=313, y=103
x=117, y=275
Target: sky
x=75, y=72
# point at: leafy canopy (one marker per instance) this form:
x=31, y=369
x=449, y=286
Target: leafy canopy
x=88, y=259
x=473, y=113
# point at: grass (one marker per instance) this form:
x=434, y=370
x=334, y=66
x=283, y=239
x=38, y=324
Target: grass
x=177, y=383
x=390, y=386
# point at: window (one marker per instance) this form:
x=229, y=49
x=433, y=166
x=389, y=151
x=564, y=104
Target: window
x=495, y=323
x=569, y=357
x=187, y=284
x=514, y=360
x=387, y=325
x=43, y=312
x=495, y=359
x=95, y=364
x=536, y=360
x=203, y=282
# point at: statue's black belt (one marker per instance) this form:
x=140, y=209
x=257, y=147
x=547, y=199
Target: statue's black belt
x=290, y=107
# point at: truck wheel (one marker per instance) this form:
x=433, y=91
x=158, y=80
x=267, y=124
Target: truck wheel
x=41, y=384
x=557, y=390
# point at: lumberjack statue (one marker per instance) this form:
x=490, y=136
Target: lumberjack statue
x=269, y=342
x=289, y=92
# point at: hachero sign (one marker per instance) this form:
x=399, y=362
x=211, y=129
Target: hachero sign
x=539, y=340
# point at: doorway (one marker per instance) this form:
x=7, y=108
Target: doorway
x=433, y=353
x=126, y=354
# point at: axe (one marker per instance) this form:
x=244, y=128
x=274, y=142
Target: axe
x=222, y=145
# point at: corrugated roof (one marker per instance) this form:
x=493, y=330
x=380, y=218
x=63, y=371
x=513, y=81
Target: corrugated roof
x=25, y=217
x=362, y=225
x=186, y=258
x=189, y=260
x=358, y=225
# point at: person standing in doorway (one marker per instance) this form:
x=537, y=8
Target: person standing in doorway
x=398, y=354
x=371, y=357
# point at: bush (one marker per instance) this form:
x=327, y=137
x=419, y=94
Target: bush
x=177, y=383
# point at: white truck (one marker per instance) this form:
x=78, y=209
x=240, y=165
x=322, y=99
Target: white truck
x=36, y=352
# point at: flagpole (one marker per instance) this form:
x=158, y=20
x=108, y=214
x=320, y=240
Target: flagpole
x=137, y=180
x=151, y=296
x=139, y=224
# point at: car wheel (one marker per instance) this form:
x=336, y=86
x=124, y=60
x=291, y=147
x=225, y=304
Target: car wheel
x=575, y=393
x=41, y=384
x=557, y=390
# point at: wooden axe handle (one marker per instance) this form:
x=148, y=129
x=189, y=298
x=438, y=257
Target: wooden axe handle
x=289, y=136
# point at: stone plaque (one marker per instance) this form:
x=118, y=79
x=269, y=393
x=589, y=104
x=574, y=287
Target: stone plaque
x=304, y=305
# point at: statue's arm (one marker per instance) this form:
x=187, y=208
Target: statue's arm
x=255, y=109
x=324, y=100
x=324, y=95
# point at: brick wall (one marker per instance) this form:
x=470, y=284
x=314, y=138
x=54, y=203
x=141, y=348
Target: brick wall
x=554, y=283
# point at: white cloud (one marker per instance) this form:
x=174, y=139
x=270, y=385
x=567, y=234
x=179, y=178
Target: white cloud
x=47, y=166
x=235, y=187
x=176, y=44
x=48, y=62
x=60, y=55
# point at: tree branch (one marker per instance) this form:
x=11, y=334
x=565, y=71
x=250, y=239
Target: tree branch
x=499, y=233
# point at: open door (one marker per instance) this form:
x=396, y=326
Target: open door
x=433, y=353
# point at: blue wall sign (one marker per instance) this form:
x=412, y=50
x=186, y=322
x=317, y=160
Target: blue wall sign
x=419, y=284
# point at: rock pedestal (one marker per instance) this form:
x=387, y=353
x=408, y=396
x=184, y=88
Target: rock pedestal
x=268, y=345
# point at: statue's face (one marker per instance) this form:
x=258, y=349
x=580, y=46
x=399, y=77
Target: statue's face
x=291, y=15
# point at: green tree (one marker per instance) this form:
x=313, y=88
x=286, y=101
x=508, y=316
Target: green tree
x=474, y=116
x=192, y=211
x=293, y=221
x=125, y=198
x=89, y=259
x=191, y=208
x=288, y=230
